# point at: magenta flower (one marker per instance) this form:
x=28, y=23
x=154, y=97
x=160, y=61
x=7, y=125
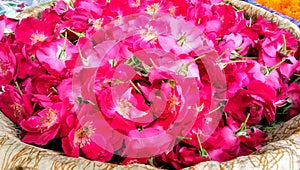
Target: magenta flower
x=293, y=92
x=45, y=125
x=14, y=105
x=236, y=77
x=259, y=72
x=264, y=27
x=141, y=144
x=32, y=31
x=183, y=39
x=7, y=64
x=183, y=157
x=7, y=26
x=127, y=161
x=27, y=65
x=278, y=52
x=257, y=102
x=232, y=140
x=235, y=44
x=43, y=85
x=89, y=138
x=52, y=56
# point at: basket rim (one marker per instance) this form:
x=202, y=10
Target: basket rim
x=253, y=11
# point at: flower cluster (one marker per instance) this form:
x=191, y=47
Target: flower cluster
x=166, y=83
x=290, y=8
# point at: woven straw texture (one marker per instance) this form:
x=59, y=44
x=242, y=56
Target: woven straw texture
x=281, y=152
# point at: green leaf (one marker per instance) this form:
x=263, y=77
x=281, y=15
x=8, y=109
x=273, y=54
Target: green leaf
x=283, y=109
x=242, y=129
x=171, y=83
x=133, y=61
x=89, y=102
x=79, y=100
x=138, y=66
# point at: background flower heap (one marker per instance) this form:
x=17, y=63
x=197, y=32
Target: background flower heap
x=168, y=83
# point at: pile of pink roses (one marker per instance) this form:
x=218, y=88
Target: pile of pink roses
x=167, y=83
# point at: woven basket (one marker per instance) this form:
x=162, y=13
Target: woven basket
x=281, y=152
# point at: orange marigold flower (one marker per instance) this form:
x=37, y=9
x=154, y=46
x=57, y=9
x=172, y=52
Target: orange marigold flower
x=290, y=8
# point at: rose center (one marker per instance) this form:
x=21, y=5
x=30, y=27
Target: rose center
x=4, y=68
x=17, y=109
x=173, y=102
x=37, y=38
x=182, y=40
x=98, y=23
x=172, y=10
x=83, y=135
x=124, y=107
x=137, y=3
x=49, y=119
x=149, y=34
x=152, y=9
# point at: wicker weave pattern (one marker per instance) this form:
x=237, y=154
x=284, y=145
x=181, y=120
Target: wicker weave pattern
x=282, y=154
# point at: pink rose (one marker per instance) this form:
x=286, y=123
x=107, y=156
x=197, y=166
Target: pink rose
x=7, y=25
x=52, y=56
x=14, y=105
x=236, y=77
x=231, y=141
x=7, y=64
x=256, y=71
x=45, y=125
x=88, y=136
x=32, y=31
x=264, y=27
x=258, y=101
x=278, y=50
x=141, y=144
x=43, y=84
x=293, y=92
x=235, y=44
x=182, y=157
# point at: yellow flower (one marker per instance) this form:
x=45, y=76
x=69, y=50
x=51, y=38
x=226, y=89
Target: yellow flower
x=288, y=7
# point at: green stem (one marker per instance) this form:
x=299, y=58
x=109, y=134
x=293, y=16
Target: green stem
x=284, y=42
x=297, y=79
x=194, y=60
x=276, y=65
x=84, y=60
x=245, y=122
x=223, y=53
x=215, y=110
x=63, y=49
x=135, y=87
x=250, y=22
x=202, y=151
x=242, y=129
x=78, y=34
x=19, y=89
x=152, y=62
x=184, y=138
x=236, y=61
x=151, y=161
